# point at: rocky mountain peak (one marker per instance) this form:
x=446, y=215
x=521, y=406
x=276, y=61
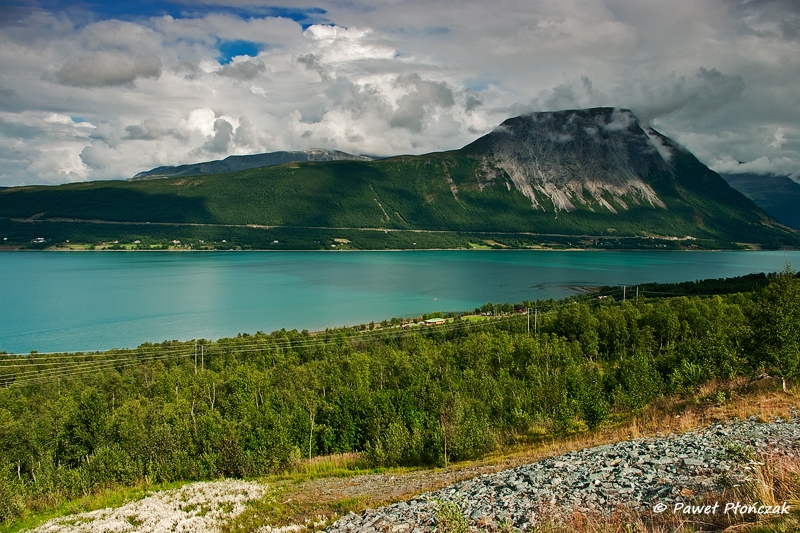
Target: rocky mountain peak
x=599, y=158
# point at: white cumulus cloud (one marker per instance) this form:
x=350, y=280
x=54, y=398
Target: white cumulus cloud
x=83, y=96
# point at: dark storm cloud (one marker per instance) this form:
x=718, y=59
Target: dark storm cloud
x=243, y=70
x=563, y=97
x=312, y=62
x=471, y=101
x=245, y=135
x=705, y=91
x=108, y=69
x=367, y=100
x=422, y=98
x=23, y=131
x=778, y=18
x=223, y=134
x=148, y=130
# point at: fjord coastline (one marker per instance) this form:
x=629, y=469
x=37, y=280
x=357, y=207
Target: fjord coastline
x=76, y=301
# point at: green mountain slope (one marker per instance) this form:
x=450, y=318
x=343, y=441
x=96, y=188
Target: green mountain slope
x=777, y=195
x=242, y=162
x=613, y=182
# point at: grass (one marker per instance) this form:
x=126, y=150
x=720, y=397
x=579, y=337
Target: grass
x=290, y=501
x=475, y=318
x=337, y=465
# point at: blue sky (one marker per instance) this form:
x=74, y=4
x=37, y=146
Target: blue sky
x=144, y=9
x=230, y=49
x=104, y=90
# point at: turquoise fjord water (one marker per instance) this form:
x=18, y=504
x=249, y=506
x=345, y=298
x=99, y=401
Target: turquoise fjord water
x=70, y=301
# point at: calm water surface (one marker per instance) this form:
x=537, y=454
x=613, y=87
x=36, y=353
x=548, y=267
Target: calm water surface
x=52, y=301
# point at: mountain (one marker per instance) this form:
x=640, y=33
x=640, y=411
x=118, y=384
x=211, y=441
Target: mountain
x=598, y=158
x=777, y=195
x=590, y=177
x=243, y=162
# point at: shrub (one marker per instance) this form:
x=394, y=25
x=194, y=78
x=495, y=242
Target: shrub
x=450, y=519
x=12, y=503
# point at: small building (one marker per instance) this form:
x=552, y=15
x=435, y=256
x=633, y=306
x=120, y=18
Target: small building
x=435, y=321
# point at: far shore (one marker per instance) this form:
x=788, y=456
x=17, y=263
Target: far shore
x=746, y=247
x=540, y=249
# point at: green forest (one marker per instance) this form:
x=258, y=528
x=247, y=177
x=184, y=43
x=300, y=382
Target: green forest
x=74, y=424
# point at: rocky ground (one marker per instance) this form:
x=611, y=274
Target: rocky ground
x=637, y=474
x=195, y=508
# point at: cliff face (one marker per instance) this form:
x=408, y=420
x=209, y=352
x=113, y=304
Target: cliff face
x=600, y=158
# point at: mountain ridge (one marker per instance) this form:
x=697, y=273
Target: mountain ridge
x=593, y=172
x=233, y=163
x=777, y=195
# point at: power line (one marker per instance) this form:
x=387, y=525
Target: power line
x=61, y=367
x=61, y=364
x=32, y=360
x=24, y=377
x=38, y=378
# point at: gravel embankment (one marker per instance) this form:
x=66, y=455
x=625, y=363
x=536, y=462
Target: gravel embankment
x=637, y=473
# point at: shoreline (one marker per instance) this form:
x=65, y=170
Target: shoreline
x=486, y=249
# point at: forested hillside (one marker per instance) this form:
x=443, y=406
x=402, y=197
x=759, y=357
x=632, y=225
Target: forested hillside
x=588, y=175
x=71, y=424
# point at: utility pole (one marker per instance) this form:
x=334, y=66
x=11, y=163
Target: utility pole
x=528, y=312
x=536, y=322
x=202, y=354
x=623, y=293
x=195, y=359
x=637, y=295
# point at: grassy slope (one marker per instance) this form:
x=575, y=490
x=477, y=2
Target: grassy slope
x=398, y=193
